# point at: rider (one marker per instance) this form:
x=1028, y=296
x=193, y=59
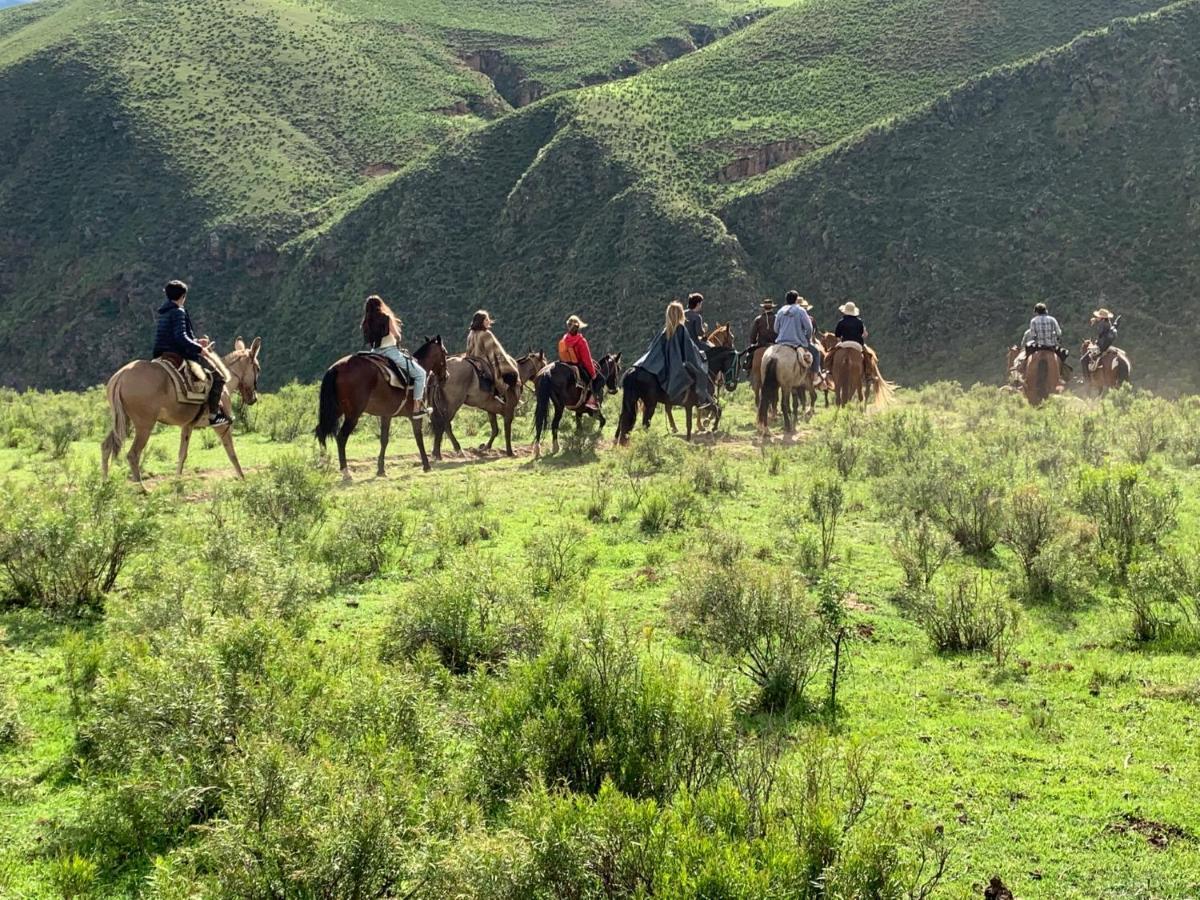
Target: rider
x=762, y=334
x=381, y=330
x=675, y=359
x=174, y=334
x=483, y=345
x=849, y=328
x=794, y=327
x=1106, y=336
x=694, y=319
x=573, y=348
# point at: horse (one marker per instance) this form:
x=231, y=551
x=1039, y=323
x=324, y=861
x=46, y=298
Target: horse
x=1112, y=369
x=722, y=372
x=461, y=387
x=556, y=384
x=849, y=374
x=141, y=395
x=786, y=369
x=355, y=385
x=1043, y=371
x=640, y=386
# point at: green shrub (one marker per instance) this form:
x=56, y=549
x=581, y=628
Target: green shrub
x=474, y=614
x=826, y=501
x=1164, y=597
x=920, y=547
x=1133, y=510
x=12, y=729
x=668, y=509
x=362, y=541
x=282, y=416
x=62, y=548
x=599, y=498
x=291, y=497
x=967, y=616
x=761, y=623
x=74, y=877
x=558, y=557
x=711, y=475
x=590, y=709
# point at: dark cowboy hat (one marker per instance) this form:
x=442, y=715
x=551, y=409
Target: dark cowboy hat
x=768, y=304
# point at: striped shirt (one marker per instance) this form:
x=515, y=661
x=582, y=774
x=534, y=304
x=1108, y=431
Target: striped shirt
x=1045, y=330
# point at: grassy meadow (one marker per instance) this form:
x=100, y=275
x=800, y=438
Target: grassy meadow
x=608, y=672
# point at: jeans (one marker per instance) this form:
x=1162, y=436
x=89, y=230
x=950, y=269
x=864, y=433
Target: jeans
x=818, y=358
x=409, y=367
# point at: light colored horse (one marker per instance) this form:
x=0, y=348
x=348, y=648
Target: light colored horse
x=787, y=370
x=1112, y=371
x=141, y=395
x=462, y=388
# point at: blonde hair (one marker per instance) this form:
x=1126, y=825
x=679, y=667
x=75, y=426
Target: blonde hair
x=674, y=317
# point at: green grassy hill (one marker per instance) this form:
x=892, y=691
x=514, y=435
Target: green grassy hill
x=295, y=157
x=1068, y=178
x=601, y=201
x=145, y=139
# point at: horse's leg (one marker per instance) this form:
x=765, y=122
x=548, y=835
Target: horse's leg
x=141, y=436
x=508, y=417
x=554, y=423
x=670, y=418
x=648, y=407
x=419, y=437
x=185, y=435
x=385, y=433
x=453, y=438
x=438, y=430
x=226, y=435
x=687, y=414
x=495, y=430
x=348, y=425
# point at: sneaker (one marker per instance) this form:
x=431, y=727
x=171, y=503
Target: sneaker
x=421, y=411
x=219, y=419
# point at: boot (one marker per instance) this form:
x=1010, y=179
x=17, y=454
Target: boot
x=217, y=417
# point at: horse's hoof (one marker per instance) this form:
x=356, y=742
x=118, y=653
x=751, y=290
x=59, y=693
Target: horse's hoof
x=426, y=467
x=346, y=479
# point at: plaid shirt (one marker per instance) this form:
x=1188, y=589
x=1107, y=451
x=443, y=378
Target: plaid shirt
x=1046, y=331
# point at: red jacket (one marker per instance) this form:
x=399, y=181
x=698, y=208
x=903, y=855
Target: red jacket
x=573, y=348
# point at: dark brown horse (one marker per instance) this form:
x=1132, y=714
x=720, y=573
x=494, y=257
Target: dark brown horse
x=1111, y=370
x=556, y=384
x=724, y=362
x=354, y=385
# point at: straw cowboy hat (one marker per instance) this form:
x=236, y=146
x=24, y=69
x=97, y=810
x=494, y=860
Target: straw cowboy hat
x=768, y=305
x=576, y=322
x=1102, y=313
x=802, y=303
x=848, y=308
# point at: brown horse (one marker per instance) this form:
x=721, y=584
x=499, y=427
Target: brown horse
x=141, y=395
x=1043, y=372
x=849, y=374
x=461, y=387
x=1111, y=371
x=354, y=385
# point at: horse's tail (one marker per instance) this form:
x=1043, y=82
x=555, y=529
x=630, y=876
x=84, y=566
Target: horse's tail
x=629, y=404
x=120, y=419
x=885, y=392
x=329, y=413
x=1041, y=377
x=769, y=394
x=544, y=388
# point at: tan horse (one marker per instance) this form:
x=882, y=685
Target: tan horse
x=1111, y=371
x=461, y=388
x=141, y=395
x=1043, y=373
x=786, y=370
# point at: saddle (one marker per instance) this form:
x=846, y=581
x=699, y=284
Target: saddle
x=851, y=345
x=395, y=377
x=190, y=380
x=483, y=372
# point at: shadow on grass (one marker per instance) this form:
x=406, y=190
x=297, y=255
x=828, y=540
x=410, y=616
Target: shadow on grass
x=31, y=628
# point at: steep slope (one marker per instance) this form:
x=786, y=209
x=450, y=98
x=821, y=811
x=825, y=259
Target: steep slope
x=1071, y=178
x=603, y=215
x=149, y=138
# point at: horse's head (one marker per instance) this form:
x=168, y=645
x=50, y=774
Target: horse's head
x=607, y=371
x=245, y=368
x=530, y=364
x=721, y=336
x=730, y=367
x=432, y=356
x=1087, y=347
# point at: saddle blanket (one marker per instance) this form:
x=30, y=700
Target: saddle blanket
x=395, y=378
x=189, y=379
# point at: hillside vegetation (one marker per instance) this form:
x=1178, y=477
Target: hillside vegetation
x=610, y=672
x=1069, y=178
x=287, y=159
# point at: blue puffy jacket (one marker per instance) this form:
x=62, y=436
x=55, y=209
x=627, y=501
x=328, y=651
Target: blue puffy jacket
x=174, y=333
